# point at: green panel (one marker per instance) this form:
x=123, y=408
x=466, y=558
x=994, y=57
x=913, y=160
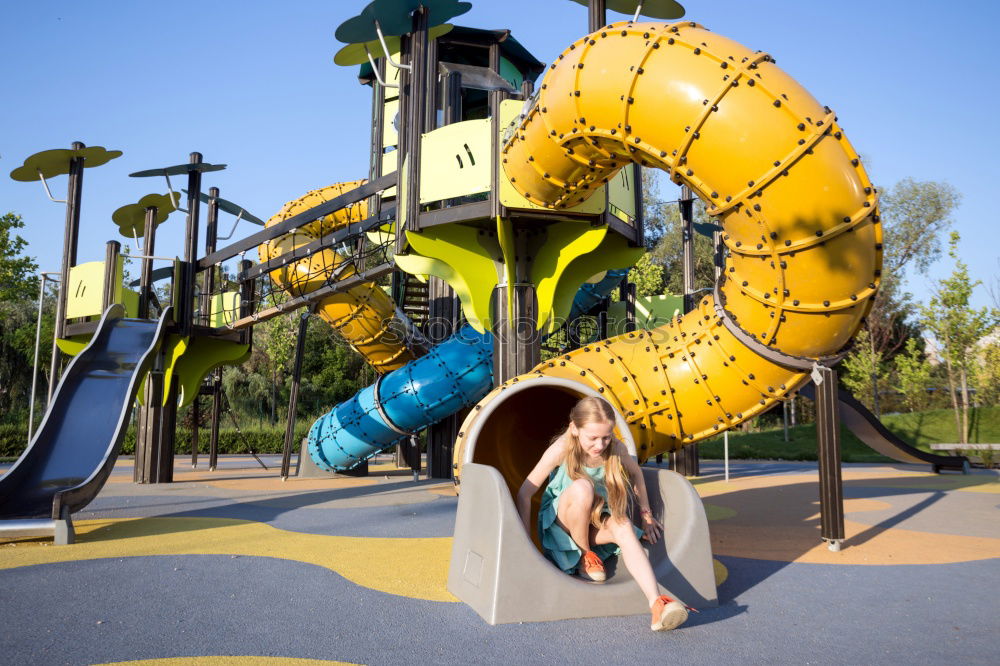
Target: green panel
x=130, y=299
x=510, y=197
x=505, y=236
x=560, y=287
x=201, y=357
x=86, y=287
x=73, y=346
x=621, y=193
x=650, y=311
x=455, y=254
x=455, y=160
x=564, y=242
x=510, y=73
x=55, y=162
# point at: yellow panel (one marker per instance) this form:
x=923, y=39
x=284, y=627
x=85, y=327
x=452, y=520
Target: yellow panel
x=512, y=198
x=455, y=160
x=621, y=194
x=388, y=166
x=390, y=137
x=225, y=308
x=86, y=286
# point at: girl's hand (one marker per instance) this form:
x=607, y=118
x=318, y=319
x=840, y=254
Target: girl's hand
x=652, y=529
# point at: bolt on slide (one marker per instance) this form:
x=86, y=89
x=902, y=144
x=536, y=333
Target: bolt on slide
x=798, y=212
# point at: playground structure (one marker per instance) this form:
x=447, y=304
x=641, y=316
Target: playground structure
x=490, y=204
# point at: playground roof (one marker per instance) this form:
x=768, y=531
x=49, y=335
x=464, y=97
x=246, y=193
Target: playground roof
x=510, y=48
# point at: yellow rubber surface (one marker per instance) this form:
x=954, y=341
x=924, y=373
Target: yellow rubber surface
x=363, y=315
x=416, y=568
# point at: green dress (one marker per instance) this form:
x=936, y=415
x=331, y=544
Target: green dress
x=557, y=545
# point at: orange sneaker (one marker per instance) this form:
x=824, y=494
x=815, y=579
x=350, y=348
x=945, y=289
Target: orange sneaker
x=668, y=614
x=591, y=567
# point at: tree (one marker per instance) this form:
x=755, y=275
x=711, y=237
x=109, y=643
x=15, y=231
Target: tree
x=913, y=375
x=987, y=377
x=863, y=371
x=957, y=327
x=663, y=237
x=647, y=276
x=18, y=281
x=914, y=214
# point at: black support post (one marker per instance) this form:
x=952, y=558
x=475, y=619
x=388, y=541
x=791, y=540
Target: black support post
x=186, y=310
x=110, y=292
x=195, y=425
x=213, y=442
x=831, y=486
x=146, y=271
x=293, y=397
x=597, y=14
x=211, y=237
x=71, y=236
x=685, y=461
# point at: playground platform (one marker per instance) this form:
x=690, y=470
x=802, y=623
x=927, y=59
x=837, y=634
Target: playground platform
x=236, y=566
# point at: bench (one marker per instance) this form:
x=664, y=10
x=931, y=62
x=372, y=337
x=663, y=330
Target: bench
x=969, y=450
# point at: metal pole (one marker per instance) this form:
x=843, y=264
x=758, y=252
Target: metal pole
x=191, y=245
x=831, y=486
x=725, y=448
x=70, y=238
x=293, y=396
x=110, y=292
x=686, y=204
x=597, y=15
x=784, y=417
x=628, y=291
x=146, y=269
x=211, y=233
x=34, y=367
x=213, y=442
x=195, y=425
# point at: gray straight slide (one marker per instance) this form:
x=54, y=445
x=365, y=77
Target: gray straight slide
x=496, y=569
x=76, y=445
x=869, y=429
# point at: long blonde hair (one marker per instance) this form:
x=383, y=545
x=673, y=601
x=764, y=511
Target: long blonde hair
x=597, y=410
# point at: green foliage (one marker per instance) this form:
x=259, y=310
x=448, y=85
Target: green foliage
x=647, y=276
x=987, y=377
x=914, y=214
x=913, y=376
x=17, y=272
x=957, y=327
x=862, y=372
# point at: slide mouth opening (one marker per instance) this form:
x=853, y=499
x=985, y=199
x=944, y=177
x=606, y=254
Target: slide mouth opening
x=518, y=424
x=515, y=427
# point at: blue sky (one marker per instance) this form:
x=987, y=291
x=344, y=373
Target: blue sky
x=252, y=84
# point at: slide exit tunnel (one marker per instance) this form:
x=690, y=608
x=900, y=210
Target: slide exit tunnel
x=799, y=219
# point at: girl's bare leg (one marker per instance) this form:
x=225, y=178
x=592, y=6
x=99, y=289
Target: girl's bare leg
x=636, y=561
x=573, y=514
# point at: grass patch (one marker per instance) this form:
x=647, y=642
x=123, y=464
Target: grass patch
x=771, y=445
x=920, y=429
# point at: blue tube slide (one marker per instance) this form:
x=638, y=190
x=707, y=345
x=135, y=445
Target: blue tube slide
x=455, y=374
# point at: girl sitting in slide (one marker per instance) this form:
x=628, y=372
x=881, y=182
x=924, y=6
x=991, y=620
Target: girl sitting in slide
x=583, y=518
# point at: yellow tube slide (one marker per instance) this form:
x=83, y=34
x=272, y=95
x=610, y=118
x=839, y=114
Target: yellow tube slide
x=364, y=315
x=798, y=213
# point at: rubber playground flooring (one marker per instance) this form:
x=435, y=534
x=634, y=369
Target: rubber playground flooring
x=237, y=567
